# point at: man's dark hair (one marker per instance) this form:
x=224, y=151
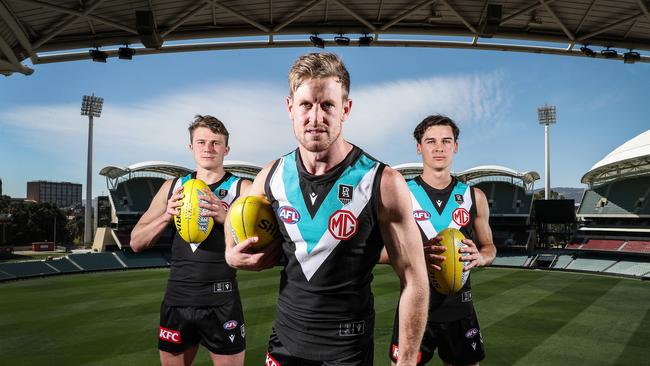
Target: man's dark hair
x=210, y=122
x=435, y=120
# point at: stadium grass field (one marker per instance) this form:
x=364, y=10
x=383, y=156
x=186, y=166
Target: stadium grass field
x=527, y=317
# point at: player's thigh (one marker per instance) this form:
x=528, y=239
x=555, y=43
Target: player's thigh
x=228, y=360
x=184, y=358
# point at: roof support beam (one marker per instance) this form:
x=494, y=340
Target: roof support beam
x=12, y=62
x=405, y=14
x=613, y=25
x=584, y=17
x=460, y=17
x=381, y=4
x=643, y=6
x=243, y=17
x=523, y=11
x=179, y=21
x=17, y=30
x=297, y=15
x=557, y=20
x=84, y=14
x=358, y=17
x=66, y=23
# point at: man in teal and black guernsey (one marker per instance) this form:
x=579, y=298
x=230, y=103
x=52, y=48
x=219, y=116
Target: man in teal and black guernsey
x=335, y=205
x=441, y=201
x=201, y=303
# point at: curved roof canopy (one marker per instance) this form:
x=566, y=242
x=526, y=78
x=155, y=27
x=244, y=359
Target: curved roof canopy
x=630, y=159
x=46, y=31
x=162, y=167
x=497, y=170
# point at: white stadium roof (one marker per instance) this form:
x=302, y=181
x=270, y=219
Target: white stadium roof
x=34, y=32
x=630, y=159
x=162, y=167
x=497, y=170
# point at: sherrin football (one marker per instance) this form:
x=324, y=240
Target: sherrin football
x=451, y=278
x=253, y=216
x=191, y=226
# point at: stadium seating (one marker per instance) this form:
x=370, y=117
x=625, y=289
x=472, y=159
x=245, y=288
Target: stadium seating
x=603, y=244
x=618, y=197
x=562, y=261
x=27, y=269
x=633, y=268
x=96, y=261
x=142, y=260
x=637, y=246
x=509, y=260
x=63, y=265
x=590, y=264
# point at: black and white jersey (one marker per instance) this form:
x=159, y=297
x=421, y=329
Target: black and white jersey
x=331, y=241
x=435, y=210
x=199, y=274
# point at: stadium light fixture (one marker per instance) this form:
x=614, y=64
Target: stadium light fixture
x=125, y=53
x=98, y=56
x=91, y=106
x=631, y=57
x=317, y=41
x=609, y=53
x=587, y=51
x=341, y=40
x=546, y=115
x=365, y=40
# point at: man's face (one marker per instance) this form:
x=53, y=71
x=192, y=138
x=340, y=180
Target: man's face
x=209, y=148
x=438, y=147
x=317, y=110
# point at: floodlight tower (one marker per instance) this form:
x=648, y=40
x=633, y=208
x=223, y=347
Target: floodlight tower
x=547, y=116
x=91, y=106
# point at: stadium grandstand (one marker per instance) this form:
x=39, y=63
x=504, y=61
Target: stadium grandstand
x=614, y=215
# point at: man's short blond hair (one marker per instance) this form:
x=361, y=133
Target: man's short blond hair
x=210, y=122
x=318, y=66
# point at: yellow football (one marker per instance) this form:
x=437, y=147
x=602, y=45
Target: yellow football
x=191, y=226
x=253, y=216
x=451, y=278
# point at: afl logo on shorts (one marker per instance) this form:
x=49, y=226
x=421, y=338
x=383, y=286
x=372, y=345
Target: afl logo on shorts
x=230, y=325
x=460, y=216
x=342, y=225
x=289, y=214
x=421, y=215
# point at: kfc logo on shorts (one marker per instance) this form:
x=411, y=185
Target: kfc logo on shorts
x=230, y=325
x=289, y=214
x=342, y=225
x=270, y=361
x=173, y=336
x=460, y=216
x=394, y=351
x=421, y=215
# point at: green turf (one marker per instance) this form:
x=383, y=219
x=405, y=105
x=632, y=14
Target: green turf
x=527, y=317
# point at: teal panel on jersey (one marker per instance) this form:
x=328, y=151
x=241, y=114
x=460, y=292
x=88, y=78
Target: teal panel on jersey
x=439, y=221
x=313, y=228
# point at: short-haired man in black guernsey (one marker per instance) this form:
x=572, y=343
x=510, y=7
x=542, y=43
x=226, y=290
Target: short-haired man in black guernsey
x=452, y=326
x=201, y=303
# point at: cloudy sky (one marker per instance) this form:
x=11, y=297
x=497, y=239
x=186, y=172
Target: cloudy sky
x=149, y=102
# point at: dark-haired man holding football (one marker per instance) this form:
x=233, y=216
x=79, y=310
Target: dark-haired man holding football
x=201, y=303
x=441, y=201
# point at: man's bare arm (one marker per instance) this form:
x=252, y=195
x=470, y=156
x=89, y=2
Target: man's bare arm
x=483, y=254
x=405, y=250
x=159, y=214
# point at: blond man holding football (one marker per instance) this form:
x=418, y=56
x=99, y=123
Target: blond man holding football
x=441, y=201
x=201, y=304
x=335, y=205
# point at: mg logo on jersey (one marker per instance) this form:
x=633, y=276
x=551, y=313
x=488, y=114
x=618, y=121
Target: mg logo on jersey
x=289, y=214
x=342, y=225
x=169, y=335
x=230, y=325
x=270, y=361
x=460, y=216
x=421, y=215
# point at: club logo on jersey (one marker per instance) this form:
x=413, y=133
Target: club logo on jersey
x=173, y=336
x=421, y=215
x=270, y=361
x=459, y=198
x=460, y=216
x=289, y=214
x=471, y=333
x=230, y=325
x=345, y=193
x=342, y=225
x=222, y=193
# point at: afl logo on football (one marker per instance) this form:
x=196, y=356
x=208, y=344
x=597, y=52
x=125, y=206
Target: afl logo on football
x=460, y=216
x=343, y=225
x=230, y=325
x=421, y=215
x=289, y=214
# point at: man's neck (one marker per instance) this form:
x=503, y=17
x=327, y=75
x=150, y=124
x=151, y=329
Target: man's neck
x=210, y=176
x=319, y=163
x=437, y=178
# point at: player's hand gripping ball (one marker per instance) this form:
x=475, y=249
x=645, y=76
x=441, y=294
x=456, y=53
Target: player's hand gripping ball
x=191, y=226
x=451, y=278
x=253, y=216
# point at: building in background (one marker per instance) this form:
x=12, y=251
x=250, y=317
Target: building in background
x=61, y=194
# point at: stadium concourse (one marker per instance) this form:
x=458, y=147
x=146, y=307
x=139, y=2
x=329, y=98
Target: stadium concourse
x=612, y=233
